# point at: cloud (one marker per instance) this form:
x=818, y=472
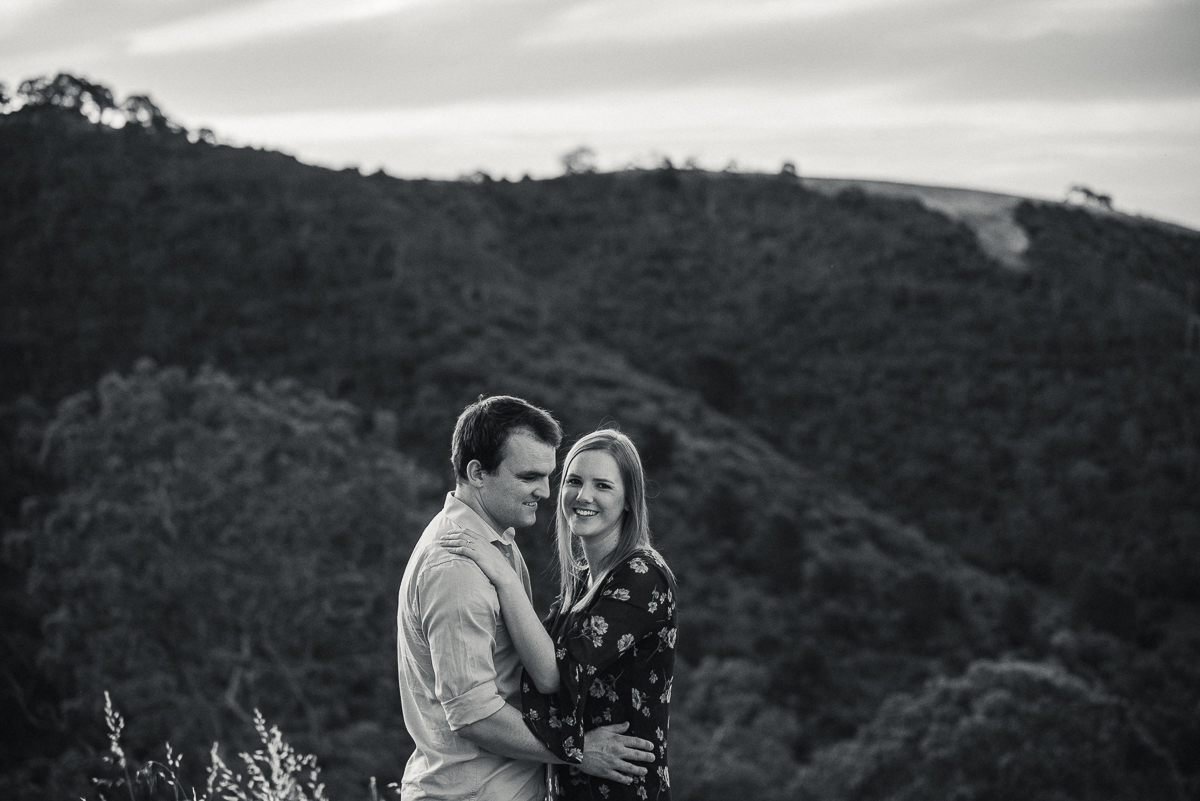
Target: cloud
x=638, y=21
x=1017, y=20
x=1140, y=151
x=952, y=90
x=14, y=12
x=722, y=112
x=645, y=113
x=263, y=20
x=962, y=49
x=1125, y=50
x=599, y=21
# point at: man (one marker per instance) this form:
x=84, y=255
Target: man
x=459, y=671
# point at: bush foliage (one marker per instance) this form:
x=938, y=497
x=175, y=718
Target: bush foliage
x=1002, y=730
x=221, y=549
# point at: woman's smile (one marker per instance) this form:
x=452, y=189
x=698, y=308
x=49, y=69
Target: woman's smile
x=594, y=495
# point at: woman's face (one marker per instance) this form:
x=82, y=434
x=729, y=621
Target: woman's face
x=593, y=496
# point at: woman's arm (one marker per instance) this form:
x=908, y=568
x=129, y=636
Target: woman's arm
x=533, y=644
x=635, y=609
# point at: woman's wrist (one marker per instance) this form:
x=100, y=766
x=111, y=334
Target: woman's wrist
x=508, y=581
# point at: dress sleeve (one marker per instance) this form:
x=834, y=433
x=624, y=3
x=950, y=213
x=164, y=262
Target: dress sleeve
x=635, y=602
x=630, y=611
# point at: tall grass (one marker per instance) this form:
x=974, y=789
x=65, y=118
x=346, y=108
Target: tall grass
x=274, y=772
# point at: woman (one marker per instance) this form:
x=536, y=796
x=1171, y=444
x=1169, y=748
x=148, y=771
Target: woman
x=610, y=651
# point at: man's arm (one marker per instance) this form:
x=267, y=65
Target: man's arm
x=460, y=626
x=506, y=734
x=607, y=753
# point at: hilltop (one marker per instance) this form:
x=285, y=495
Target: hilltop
x=990, y=215
x=891, y=470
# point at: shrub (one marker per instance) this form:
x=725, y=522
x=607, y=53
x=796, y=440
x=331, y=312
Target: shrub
x=220, y=548
x=1004, y=730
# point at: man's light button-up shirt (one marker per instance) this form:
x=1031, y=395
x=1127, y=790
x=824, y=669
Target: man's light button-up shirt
x=457, y=665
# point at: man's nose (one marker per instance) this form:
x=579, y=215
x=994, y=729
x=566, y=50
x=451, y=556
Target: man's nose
x=543, y=489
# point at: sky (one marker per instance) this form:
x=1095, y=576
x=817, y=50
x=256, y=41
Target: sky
x=1026, y=97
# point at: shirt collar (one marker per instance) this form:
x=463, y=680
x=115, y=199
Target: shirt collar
x=464, y=516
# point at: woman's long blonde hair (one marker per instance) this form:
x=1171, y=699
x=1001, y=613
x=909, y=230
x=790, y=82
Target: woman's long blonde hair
x=635, y=523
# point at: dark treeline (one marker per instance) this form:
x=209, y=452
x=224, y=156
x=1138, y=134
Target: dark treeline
x=1011, y=604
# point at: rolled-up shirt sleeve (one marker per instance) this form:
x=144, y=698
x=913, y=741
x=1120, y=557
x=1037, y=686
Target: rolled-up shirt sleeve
x=459, y=613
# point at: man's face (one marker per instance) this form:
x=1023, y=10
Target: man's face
x=509, y=494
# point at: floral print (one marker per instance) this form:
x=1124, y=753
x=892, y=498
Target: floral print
x=594, y=629
x=616, y=660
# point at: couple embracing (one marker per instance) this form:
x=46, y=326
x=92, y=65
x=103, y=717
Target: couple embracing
x=502, y=708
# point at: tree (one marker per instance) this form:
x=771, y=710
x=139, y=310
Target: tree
x=140, y=110
x=727, y=740
x=1003, y=730
x=580, y=160
x=1085, y=195
x=218, y=549
x=69, y=92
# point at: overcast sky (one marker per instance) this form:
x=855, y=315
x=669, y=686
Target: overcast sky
x=1019, y=96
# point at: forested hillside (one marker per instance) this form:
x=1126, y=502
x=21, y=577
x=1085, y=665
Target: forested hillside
x=914, y=499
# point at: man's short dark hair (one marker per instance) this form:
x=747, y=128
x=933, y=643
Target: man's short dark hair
x=485, y=426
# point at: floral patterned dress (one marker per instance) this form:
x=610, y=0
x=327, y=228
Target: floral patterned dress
x=616, y=659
